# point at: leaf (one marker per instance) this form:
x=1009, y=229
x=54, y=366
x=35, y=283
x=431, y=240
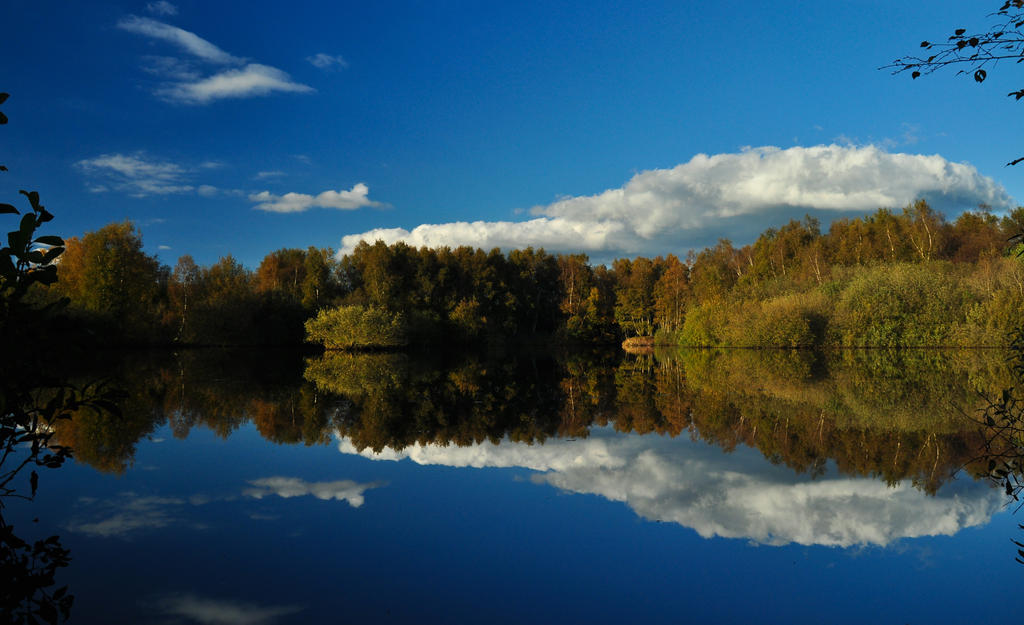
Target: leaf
x=27, y=226
x=925, y=44
x=973, y=41
x=7, y=209
x=46, y=275
x=7, y=269
x=33, y=198
x=33, y=481
x=3, y=97
x=44, y=215
x=915, y=74
x=3, y=118
x=980, y=75
x=959, y=31
x=51, y=254
x=50, y=239
x=15, y=242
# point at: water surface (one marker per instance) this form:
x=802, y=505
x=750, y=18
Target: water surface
x=688, y=487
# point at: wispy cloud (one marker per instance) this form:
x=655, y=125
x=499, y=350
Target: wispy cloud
x=162, y=7
x=269, y=174
x=141, y=175
x=187, y=41
x=327, y=61
x=341, y=490
x=135, y=174
x=209, y=611
x=252, y=80
x=187, y=84
x=695, y=203
x=356, y=197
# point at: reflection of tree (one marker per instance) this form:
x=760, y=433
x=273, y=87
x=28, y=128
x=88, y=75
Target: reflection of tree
x=1001, y=424
x=799, y=409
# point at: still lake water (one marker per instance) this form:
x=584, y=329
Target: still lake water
x=768, y=487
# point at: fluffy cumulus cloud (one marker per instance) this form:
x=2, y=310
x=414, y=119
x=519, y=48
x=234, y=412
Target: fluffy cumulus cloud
x=209, y=611
x=736, y=495
x=327, y=61
x=356, y=197
x=287, y=487
x=188, y=84
x=696, y=202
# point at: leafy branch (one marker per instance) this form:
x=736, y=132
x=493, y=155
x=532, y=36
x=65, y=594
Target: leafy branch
x=974, y=53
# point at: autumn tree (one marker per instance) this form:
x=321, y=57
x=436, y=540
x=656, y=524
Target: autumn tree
x=114, y=283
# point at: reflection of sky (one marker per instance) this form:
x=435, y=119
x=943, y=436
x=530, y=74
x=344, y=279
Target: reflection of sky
x=185, y=544
x=737, y=495
x=287, y=487
x=209, y=611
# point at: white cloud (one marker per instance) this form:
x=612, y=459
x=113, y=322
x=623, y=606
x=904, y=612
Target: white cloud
x=162, y=7
x=135, y=174
x=141, y=175
x=187, y=85
x=341, y=490
x=223, y=612
x=327, y=61
x=356, y=197
x=252, y=80
x=711, y=196
x=735, y=495
x=163, y=248
x=269, y=174
x=187, y=41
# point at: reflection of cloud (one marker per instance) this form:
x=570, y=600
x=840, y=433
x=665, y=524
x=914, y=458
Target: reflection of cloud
x=222, y=612
x=737, y=495
x=712, y=195
x=341, y=490
x=129, y=515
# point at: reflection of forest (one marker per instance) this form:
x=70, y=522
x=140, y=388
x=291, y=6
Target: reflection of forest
x=894, y=415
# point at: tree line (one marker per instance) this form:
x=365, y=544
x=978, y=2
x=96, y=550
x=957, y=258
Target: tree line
x=891, y=278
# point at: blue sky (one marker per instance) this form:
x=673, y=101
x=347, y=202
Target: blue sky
x=592, y=126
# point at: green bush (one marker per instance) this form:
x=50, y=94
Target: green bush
x=704, y=325
x=903, y=305
x=356, y=327
x=792, y=321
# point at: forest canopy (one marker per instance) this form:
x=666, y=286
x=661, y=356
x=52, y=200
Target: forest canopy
x=890, y=278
